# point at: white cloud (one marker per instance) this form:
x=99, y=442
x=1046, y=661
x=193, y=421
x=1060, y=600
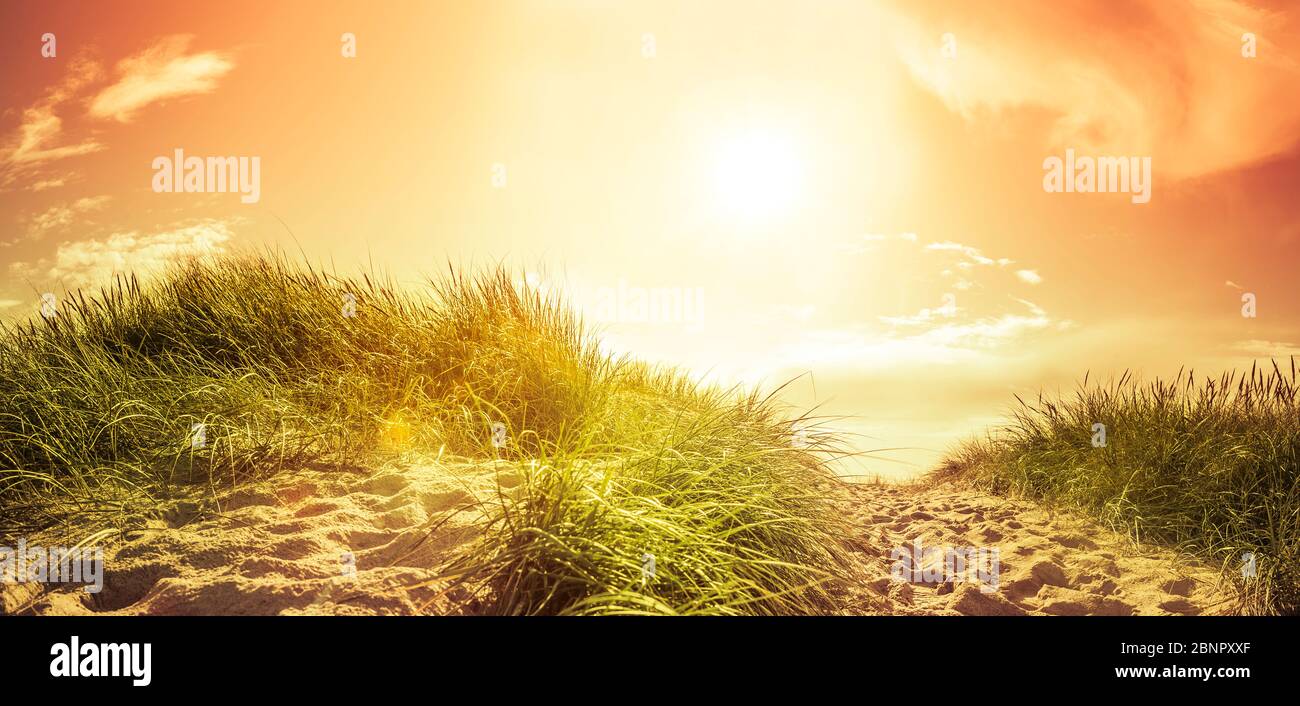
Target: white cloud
x=943, y=339
x=39, y=138
x=986, y=332
x=58, y=217
x=1036, y=309
x=158, y=73
x=973, y=253
x=95, y=261
x=924, y=316
x=49, y=184
x=1030, y=276
x=954, y=328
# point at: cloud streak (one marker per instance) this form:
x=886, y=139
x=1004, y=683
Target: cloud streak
x=59, y=217
x=40, y=135
x=165, y=70
x=1029, y=276
x=161, y=72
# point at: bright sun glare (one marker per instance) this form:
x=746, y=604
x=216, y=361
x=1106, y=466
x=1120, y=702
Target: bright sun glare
x=757, y=176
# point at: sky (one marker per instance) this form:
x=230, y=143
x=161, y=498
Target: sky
x=849, y=197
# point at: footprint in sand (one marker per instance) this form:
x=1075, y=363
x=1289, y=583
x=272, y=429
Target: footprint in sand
x=1050, y=563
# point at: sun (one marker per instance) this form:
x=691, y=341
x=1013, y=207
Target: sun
x=758, y=176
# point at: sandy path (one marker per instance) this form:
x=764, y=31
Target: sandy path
x=1049, y=563
x=337, y=542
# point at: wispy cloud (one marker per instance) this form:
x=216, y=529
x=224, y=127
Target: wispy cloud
x=972, y=254
x=1029, y=276
x=924, y=316
x=950, y=326
x=95, y=261
x=45, y=184
x=986, y=332
x=963, y=323
x=1259, y=348
x=161, y=72
x=932, y=337
x=58, y=217
x=40, y=136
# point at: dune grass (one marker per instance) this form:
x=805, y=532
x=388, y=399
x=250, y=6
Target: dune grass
x=1209, y=466
x=641, y=491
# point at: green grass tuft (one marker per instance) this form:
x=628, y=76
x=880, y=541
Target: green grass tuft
x=1212, y=468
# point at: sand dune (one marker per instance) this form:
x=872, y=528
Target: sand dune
x=338, y=542
x=311, y=542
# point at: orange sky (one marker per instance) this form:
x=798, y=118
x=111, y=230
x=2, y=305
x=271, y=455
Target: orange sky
x=848, y=192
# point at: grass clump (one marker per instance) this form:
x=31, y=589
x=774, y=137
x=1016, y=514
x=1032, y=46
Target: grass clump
x=281, y=365
x=1211, y=467
x=713, y=513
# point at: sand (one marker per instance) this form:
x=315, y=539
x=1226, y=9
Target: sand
x=368, y=541
x=1050, y=563
x=308, y=542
